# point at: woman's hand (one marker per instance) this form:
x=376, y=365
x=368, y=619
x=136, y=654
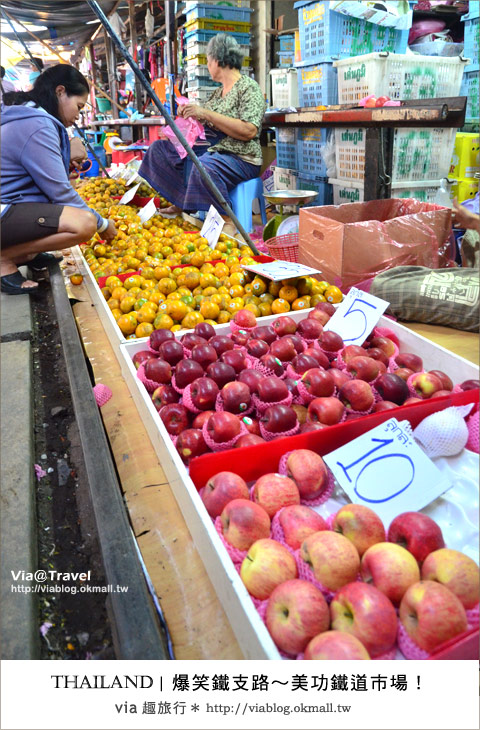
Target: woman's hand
x=464, y=218
x=110, y=233
x=78, y=153
x=192, y=111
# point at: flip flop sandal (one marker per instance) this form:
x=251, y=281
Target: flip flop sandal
x=12, y=284
x=41, y=261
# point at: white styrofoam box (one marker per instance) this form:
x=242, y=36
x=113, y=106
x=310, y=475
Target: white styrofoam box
x=249, y=629
x=284, y=87
x=419, y=153
x=398, y=76
x=351, y=191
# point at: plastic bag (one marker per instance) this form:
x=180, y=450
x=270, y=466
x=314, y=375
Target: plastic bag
x=191, y=130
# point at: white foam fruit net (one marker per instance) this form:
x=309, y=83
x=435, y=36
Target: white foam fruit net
x=444, y=433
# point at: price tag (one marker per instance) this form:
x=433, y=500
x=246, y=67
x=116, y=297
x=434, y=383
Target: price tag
x=133, y=176
x=129, y=195
x=278, y=270
x=117, y=174
x=356, y=316
x=212, y=226
x=386, y=470
x=147, y=211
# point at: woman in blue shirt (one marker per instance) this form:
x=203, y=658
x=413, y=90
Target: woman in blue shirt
x=40, y=210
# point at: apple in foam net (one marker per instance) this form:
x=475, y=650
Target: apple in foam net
x=257, y=348
x=163, y=395
x=236, y=397
x=310, y=328
x=245, y=318
x=426, y=384
x=325, y=410
x=236, y=359
x=267, y=565
x=390, y=568
x=249, y=439
x=296, y=612
x=298, y=343
x=221, y=373
x=190, y=339
x=279, y=419
x=272, y=390
x=205, y=330
x=274, y=491
x=361, y=525
x=307, y=427
x=356, y=395
x=292, y=386
x=244, y=522
x=203, y=392
x=284, y=349
x=319, y=382
x=240, y=337
x=171, y=351
x=221, y=343
x=416, y=532
x=447, y=383
x=409, y=360
x=221, y=489
x=159, y=336
x=190, y=443
x=272, y=363
x=365, y=368
x=158, y=370
x=319, y=356
x=251, y=378
x=302, y=362
x=333, y=559
x=301, y=412
x=365, y=612
x=251, y=424
x=403, y=373
x=385, y=344
x=223, y=426
x=175, y=418
x=340, y=377
x=284, y=326
x=330, y=341
x=140, y=357
x=265, y=333
x=187, y=371
x=431, y=614
x=298, y=522
x=319, y=316
x=377, y=354
x=204, y=354
x=456, y=571
x=335, y=645
x=471, y=384
x=308, y=471
x=384, y=405
x=393, y=388
x=201, y=418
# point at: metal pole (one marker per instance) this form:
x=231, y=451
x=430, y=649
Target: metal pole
x=153, y=96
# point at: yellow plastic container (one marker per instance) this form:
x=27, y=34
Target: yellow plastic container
x=464, y=189
x=222, y=26
x=466, y=155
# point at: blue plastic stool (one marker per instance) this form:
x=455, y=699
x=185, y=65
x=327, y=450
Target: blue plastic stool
x=242, y=198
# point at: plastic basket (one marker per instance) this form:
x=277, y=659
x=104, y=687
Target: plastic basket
x=103, y=105
x=349, y=191
x=284, y=248
x=320, y=185
x=418, y=153
x=199, y=93
x=317, y=85
x=469, y=88
x=471, y=47
x=284, y=87
x=311, y=143
x=197, y=56
x=325, y=34
x=398, y=76
x=219, y=12
x=287, y=43
x=286, y=59
x=235, y=3
x=217, y=26
x=286, y=140
x=203, y=37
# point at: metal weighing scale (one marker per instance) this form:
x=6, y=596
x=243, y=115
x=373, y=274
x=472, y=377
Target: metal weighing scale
x=284, y=223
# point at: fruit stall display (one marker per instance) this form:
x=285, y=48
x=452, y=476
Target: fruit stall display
x=281, y=381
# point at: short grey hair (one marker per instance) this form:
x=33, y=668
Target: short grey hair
x=225, y=50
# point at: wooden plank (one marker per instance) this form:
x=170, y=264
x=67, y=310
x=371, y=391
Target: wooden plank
x=463, y=344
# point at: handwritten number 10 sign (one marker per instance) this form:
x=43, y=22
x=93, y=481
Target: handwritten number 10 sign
x=386, y=470
x=356, y=316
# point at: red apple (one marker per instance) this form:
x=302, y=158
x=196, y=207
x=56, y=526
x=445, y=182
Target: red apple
x=409, y=360
x=191, y=339
x=308, y=471
x=456, y=571
x=361, y=525
x=385, y=344
x=412, y=400
x=187, y=371
x=140, y=357
x=158, y=370
x=190, y=443
x=204, y=354
x=443, y=377
x=171, y=351
x=356, y=395
x=272, y=363
x=340, y=377
x=221, y=489
x=245, y=318
x=203, y=392
x=390, y=568
x=159, y=336
x=284, y=326
x=320, y=357
x=251, y=378
x=365, y=612
x=244, y=522
x=265, y=333
x=471, y=384
x=378, y=354
x=308, y=426
x=403, y=373
x=240, y=337
x=318, y=382
x=425, y=384
x=221, y=343
x=309, y=328
x=257, y=348
x=236, y=397
x=431, y=614
x=393, y=388
x=205, y=330
x=330, y=341
x=298, y=343
x=441, y=393
x=296, y=612
x=325, y=307
x=221, y=373
x=251, y=424
x=268, y=563
x=325, y=410
x=272, y=390
x=163, y=395
x=384, y=405
x=279, y=418
x=319, y=316
x=365, y=368
x=175, y=418
x=223, y=426
x=333, y=559
x=292, y=386
x=274, y=491
x=335, y=645
x=351, y=351
x=298, y=522
x=283, y=349
x=201, y=418
x=249, y=439
x=301, y=363
x=236, y=359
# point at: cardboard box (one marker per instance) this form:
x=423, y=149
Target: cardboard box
x=354, y=242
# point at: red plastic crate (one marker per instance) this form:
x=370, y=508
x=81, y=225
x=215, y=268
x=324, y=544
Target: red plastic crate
x=126, y=156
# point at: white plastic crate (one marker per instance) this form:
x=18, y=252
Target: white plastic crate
x=350, y=191
x=418, y=153
x=398, y=76
x=199, y=48
x=284, y=179
x=200, y=94
x=284, y=87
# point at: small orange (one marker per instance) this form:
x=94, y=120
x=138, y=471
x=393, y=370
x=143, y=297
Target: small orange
x=144, y=329
x=289, y=293
x=301, y=303
x=280, y=306
x=209, y=310
x=333, y=295
x=127, y=324
x=163, y=322
x=316, y=298
x=127, y=304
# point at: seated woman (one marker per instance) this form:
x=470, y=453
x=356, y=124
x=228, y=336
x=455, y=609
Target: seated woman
x=40, y=210
x=233, y=116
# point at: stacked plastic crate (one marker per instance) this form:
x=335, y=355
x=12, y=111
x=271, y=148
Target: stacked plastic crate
x=421, y=156
x=471, y=50
x=203, y=22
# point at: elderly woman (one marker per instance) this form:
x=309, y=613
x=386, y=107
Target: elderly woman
x=232, y=117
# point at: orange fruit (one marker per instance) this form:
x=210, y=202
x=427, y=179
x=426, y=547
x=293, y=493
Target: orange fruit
x=127, y=324
x=316, y=298
x=333, y=294
x=178, y=310
x=223, y=317
x=191, y=320
x=163, y=322
x=144, y=329
x=209, y=310
x=113, y=303
x=289, y=293
x=134, y=280
x=265, y=309
x=319, y=287
x=274, y=287
x=127, y=304
x=280, y=306
x=301, y=303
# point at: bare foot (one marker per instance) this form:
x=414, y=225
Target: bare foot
x=171, y=210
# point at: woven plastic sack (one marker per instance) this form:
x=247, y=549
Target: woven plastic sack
x=444, y=433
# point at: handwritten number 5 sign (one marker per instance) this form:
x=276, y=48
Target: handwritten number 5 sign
x=356, y=316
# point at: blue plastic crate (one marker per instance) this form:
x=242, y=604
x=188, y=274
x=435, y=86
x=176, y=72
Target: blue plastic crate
x=470, y=89
x=321, y=185
x=203, y=36
x=317, y=84
x=219, y=12
x=286, y=141
x=327, y=35
x=287, y=43
x=311, y=143
x=286, y=60
x=471, y=48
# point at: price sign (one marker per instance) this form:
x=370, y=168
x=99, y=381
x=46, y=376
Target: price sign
x=118, y=173
x=133, y=176
x=386, y=470
x=129, y=195
x=278, y=270
x=147, y=211
x=212, y=226
x=356, y=316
